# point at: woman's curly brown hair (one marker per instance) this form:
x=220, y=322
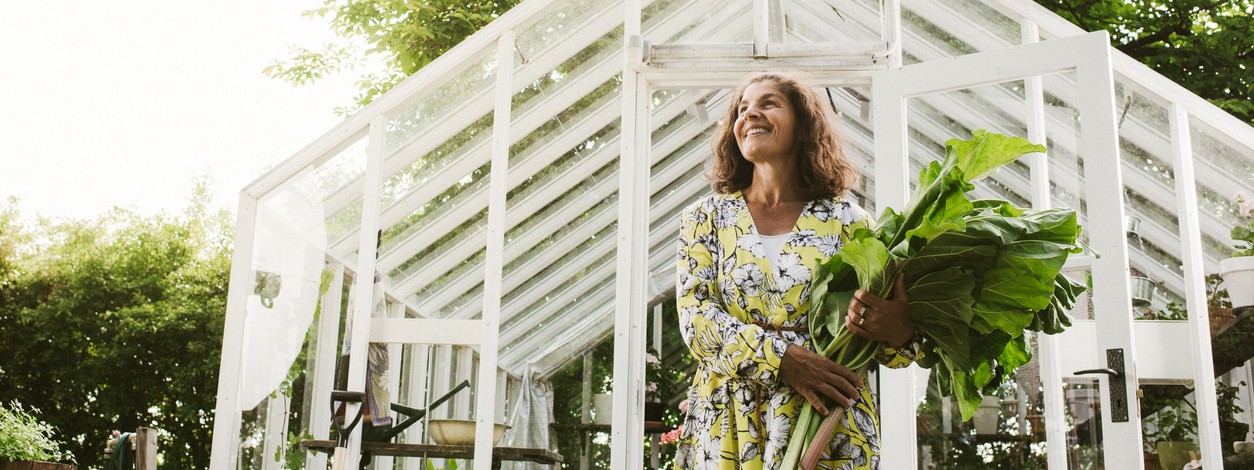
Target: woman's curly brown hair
x=824, y=170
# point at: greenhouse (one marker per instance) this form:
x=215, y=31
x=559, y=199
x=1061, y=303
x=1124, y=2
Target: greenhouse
x=508, y=215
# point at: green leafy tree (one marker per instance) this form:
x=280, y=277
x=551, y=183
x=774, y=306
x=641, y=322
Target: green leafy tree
x=1204, y=45
x=116, y=323
x=405, y=35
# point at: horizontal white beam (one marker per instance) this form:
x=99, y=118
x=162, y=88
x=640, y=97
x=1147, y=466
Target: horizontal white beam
x=425, y=331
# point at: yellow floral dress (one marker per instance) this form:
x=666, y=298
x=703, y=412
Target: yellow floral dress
x=736, y=311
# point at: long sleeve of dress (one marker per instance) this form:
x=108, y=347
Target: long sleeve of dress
x=724, y=343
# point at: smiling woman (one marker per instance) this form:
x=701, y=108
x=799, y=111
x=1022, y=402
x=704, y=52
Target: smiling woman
x=745, y=260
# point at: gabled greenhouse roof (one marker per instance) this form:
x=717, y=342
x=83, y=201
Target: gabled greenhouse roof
x=558, y=283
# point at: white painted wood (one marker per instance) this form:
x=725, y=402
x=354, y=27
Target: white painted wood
x=1048, y=347
x=226, y=425
x=585, y=415
x=486, y=406
x=1195, y=290
x=891, y=31
x=1112, y=295
x=322, y=371
x=463, y=370
x=1156, y=364
x=275, y=430
x=1089, y=56
x=418, y=378
x=426, y=331
x=892, y=186
x=628, y=425
x=394, y=378
x=363, y=304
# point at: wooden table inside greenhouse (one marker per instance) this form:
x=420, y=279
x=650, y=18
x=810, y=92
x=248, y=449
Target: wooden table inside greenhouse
x=439, y=451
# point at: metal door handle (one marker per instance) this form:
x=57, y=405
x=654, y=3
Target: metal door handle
x=1107, y=371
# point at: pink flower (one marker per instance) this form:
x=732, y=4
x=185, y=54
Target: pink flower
x=1245, y=205
x=672, y=436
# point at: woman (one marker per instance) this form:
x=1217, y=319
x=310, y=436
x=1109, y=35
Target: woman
x=745, y=257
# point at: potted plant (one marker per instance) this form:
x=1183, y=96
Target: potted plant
x=1218, y=304
x=1168, y=432
x=26, y=442
x=1238, y=271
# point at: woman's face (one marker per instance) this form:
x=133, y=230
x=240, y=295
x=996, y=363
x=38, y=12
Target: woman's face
x=765, y=123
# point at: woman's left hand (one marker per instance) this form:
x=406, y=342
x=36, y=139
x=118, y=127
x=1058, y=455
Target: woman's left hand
x=877, y=319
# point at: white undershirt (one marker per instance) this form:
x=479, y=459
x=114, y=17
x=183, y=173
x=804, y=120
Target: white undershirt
x=771, y=244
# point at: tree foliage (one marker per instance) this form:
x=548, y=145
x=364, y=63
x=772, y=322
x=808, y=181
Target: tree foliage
x=116, y=323
x=1204, y=45
x=405, y=35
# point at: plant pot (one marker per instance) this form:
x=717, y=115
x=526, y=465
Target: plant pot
x=1142, y=291
x=985, y=418
x=6, y=464
x=603, y=408
x=1238, y=274
x=1220, y=320
x=1175, y=454
x=1151, y=462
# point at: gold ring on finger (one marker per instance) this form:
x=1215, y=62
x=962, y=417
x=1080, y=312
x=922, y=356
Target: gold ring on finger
x=861, y=320
x=862, y=311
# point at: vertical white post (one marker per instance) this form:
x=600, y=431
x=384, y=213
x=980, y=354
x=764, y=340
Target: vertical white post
x=1112, y=291
x=275, y=430
x=465, y=370
x=363, y=304
x=1051, y=374
x=761, y=28
x=891, y=31
x=892, y=186
x=324, y=361
x=584, y=415
x=226, y=421
x=494, y=259
x=1195, y=289
x=633, y=234
x=417, y=378
x=392, y=310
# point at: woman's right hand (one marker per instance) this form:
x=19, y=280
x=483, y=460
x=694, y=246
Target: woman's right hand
x=816, y=377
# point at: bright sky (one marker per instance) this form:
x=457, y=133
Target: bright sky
x=127, y=102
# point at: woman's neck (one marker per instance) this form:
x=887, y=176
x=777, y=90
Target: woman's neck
x=773, y=185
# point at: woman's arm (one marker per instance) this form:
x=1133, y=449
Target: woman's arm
x=723, y=344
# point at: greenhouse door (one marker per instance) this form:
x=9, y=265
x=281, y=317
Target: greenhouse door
x=1006, y=91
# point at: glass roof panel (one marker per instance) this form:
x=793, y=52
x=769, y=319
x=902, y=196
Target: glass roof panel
x=837, y=21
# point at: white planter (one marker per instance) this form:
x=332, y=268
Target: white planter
x=1238, y=274
x=603, y=406
x=986, y=415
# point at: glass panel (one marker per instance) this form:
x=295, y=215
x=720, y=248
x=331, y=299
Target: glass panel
x=569, y=26
x=675, y=22
x=950, y=28
x=1007, y=431
x=938, y=117
x=838, y=21
x=1082, y=414
x=1169, y=424
x=1223, y=169
x=295, y=225
x=453, y=102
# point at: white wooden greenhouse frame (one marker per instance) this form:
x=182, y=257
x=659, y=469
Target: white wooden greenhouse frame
x=511, y=227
